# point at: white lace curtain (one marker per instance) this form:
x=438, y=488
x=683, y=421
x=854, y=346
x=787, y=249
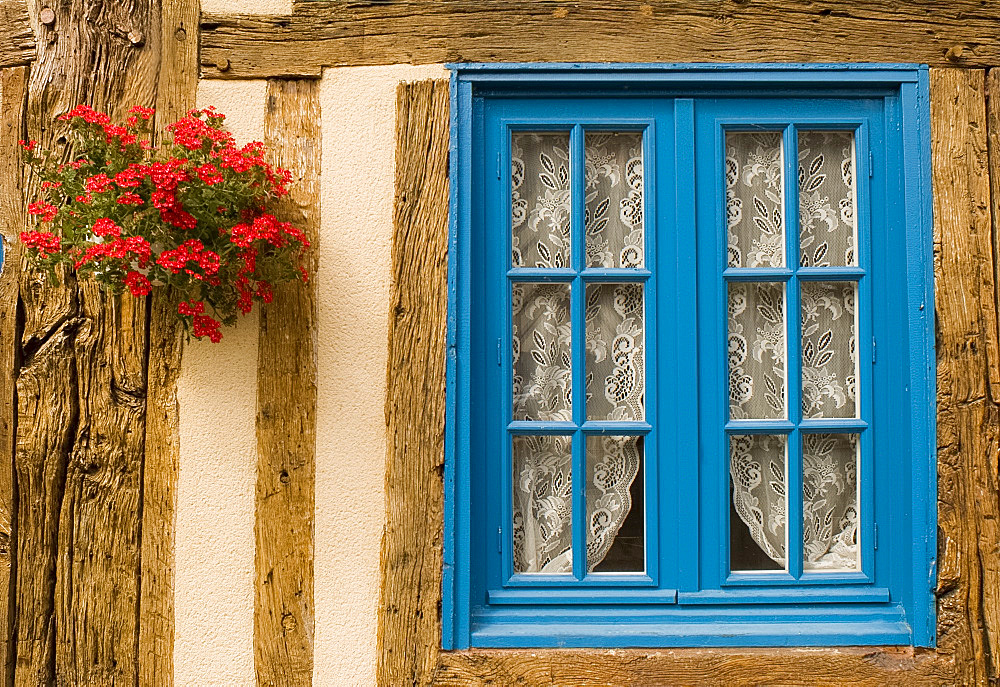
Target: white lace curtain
x=615, y=363
x=757, y=352
x=614, y=342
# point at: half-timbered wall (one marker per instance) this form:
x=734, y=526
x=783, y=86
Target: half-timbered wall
x=273, y=516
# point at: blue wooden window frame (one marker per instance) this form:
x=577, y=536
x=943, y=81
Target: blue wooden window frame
x=687, y=596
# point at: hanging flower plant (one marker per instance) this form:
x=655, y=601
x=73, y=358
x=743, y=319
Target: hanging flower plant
x=192, y=215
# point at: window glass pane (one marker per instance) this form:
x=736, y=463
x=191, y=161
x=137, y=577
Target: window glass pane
x=827, y=232
x=613, y=204
x=755, y=199
x=543, y=504
x=542, y=383
x=756, y=350
x=830, y=501
x=615, y=373
x=540, y=199
x=829, y=359
x=757, y=517
x=615, y=504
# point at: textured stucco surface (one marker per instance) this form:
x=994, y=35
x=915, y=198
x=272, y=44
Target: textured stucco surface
x=217, y=395
x=246, y=6
x=359, y=138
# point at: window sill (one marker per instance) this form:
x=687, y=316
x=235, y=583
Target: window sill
x=854, y=624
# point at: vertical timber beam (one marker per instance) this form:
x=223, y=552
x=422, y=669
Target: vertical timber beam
x=13, y=89
x=409, y=628
x=82, y=386
x=176, y=93
x=286, y=409
x=968, y=372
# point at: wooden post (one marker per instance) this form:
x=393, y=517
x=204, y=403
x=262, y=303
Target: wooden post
x=968, y=379
x=286, y=409
x=13, y=88
x=176, y=92
x=82, y=390
x=409, y=629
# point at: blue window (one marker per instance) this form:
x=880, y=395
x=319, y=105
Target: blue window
x=691, y=392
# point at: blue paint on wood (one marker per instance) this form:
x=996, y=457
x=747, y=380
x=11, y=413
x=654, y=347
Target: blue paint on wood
x=687, y=596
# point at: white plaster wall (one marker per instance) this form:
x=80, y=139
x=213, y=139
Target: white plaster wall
x=213, y=644
x=247, y=6
x=359, y=138
x=217, y=396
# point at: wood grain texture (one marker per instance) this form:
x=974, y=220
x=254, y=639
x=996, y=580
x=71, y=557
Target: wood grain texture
x=13, y=89
x=965, y=148
x=286, y=409
x=958, y=32
x=968, y=417
x=17, y=42
x=729, y=667
x=176, y=93
x=409, y=622
x=82, y=388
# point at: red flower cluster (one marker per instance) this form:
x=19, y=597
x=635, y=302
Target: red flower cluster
x=267, y=228
x=45, y=242
x=138, y=284
x=196, y=133
x=191, y=251
x=46, y=211
x=192, y=215
x=132, y=248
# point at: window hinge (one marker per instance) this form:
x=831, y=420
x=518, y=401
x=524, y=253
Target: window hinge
x=499, y=353
x=875, y=536
x=871, y=164
x=499, y=540
x=498, y=165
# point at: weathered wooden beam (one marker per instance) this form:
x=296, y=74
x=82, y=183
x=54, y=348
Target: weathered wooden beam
x=872, y=667
x=82, y=388
x=968, y=350
x=286, y=409
x=988, y=467
x=176, y=93
x=13, y=89
x=968, y=415
x=954, y=33
x=409, y=629
x=17, y=41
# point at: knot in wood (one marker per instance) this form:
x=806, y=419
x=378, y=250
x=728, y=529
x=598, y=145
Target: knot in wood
x=955, y=52
x=288, y=623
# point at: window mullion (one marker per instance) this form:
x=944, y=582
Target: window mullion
x=578, y=305
x=793, y=343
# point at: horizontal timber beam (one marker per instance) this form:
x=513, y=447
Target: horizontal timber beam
x=17, y=41
x=956, y=33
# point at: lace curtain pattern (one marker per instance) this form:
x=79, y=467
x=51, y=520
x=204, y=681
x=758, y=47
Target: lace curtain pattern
x=613, y=203
x=756, y=351
x=756, y=347
x=755, y=199
x=829, y=364
x=826, y=198
x=829, y=496
x=542, y=343
x=542, y=391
